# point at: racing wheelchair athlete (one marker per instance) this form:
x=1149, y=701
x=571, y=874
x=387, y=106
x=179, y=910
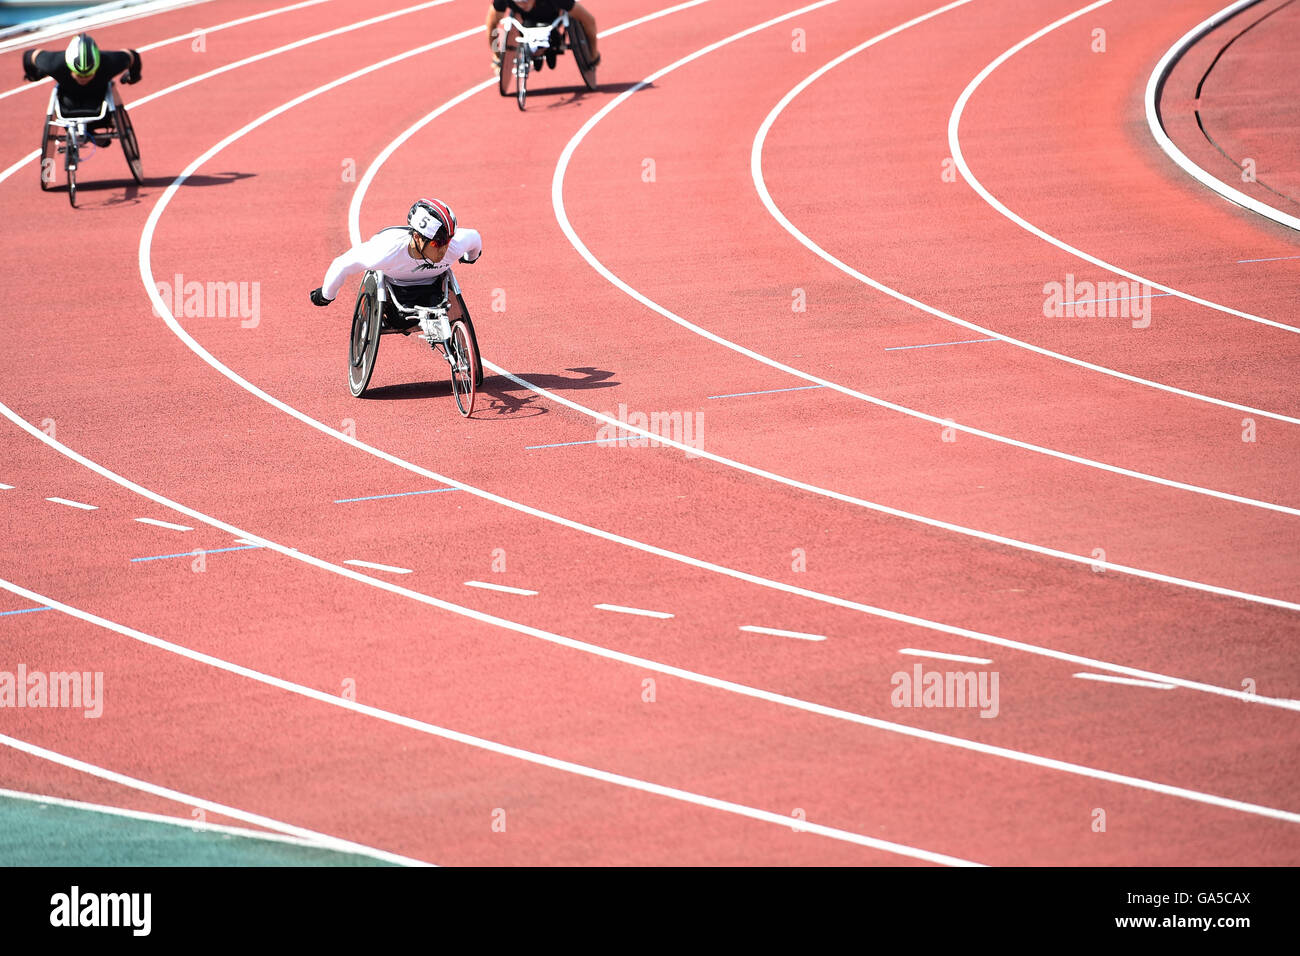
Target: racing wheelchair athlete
x=84, y=105
x=415, y=264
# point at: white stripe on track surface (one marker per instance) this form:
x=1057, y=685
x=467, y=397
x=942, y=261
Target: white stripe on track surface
x=309, y=836
x=354, y=231
x=756, y=172
x=480, y=743
x=954, y=146
x=646, y=664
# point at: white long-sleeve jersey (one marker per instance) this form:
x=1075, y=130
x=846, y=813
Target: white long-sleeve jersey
x=386, y=250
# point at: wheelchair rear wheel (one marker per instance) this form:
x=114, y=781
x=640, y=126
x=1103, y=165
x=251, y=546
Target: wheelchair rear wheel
x=582, y=53
x=506, y=79
x=464, y=363
x=47, y=164
x=130, y=148
x=364, y=344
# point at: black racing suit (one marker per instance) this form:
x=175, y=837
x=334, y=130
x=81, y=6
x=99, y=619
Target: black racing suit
x=76, y=99
x=542, y=13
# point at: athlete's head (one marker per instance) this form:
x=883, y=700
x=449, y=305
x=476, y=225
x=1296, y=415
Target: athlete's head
x=433, y=220
x=82, y=58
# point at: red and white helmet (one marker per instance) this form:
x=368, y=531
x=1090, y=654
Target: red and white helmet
x=433, y=219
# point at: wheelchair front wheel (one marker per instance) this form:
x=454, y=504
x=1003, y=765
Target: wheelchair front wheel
x=582, y=53
x=364, y=344
x=130, y=148
x=464, y=363
x=525, y=64
x=70, y=167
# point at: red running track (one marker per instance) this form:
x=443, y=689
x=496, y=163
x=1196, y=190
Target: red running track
x=606, y=737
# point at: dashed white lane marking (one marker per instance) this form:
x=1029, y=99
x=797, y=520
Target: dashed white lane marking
x=941, y=656
x=164, y=524
x=379, y=567
x=755, y=629
x=6, y=487
x=445, y=733
x=499, y=587
x=631, y=610
x=1132, y=682
x=74, y=504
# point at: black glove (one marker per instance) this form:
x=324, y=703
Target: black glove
x=132, y=74
x=30, y=73
x=468, y=261
x=317, y=298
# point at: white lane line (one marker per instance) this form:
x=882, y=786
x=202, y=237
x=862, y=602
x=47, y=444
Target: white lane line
x=1154, y=85
x=755, y=629
x=363, y=185
x=756, y=173
x=6, y=487
x=34, y=154
x=491, y=746
x=960, y=161
x=694, y=452
x=631, y=610
x=610, y=536
x=164, y=524
x=379, y=567
x=656, y=666
x=110, y=14
x=73, y=504
x=190, y=824
x=1106, y=678
x=310, y=836
x=954, y=145
x=505, y=589
x=941, y=656
x=193, y=34
x=354, y=232
x=557, y=199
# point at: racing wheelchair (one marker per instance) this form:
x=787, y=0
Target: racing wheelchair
x=447, y=329
x=66, y=133
x=524, y=48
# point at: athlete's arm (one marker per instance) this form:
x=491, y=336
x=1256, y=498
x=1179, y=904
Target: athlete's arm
x=466, y=245
x=367, y=255
x=32, y=67
x=493, y=18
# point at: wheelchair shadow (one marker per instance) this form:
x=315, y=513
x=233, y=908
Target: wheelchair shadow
x=153, y=182
x=506, y=399
x=576, y=93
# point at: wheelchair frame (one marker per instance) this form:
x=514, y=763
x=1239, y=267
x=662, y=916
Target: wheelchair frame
x=535, y=42
x=452, y=337
x=74, y=135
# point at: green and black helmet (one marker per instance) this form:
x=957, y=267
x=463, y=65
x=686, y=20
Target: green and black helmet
x=82, y=56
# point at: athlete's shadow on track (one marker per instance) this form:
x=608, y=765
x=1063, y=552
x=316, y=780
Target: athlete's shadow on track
x=576, y=93
x=506, y=399
x=131, y=189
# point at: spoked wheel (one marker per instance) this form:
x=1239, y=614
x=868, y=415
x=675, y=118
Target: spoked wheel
x=47, y=164
x=365, y=337
x=506, y=81
x=130, y=148
x=522, y=65
x=464, y=362
x=478, y=359
x=70, y=166
x=582, y=53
